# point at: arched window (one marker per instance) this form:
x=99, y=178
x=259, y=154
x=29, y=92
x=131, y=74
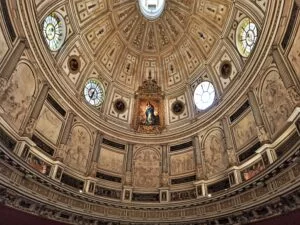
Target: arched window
x=54, y=31
x=152, y=9
x=246, y=37
x=204, y=95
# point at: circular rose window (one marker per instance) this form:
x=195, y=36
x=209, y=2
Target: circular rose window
x=204, y=95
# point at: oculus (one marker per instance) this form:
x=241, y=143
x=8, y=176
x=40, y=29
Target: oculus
x=177, y=107
x=151, y=9
x=54, y=31
x=204, y=95
x=74, y=64
x=119, y=105
x=246, y=37
x=225, y=69
x=94, y=92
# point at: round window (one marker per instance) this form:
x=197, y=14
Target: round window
x=54, y=31
x=246, y=37
x=204, y=95
x=94, y=92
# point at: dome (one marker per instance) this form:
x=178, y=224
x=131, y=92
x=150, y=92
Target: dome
x=150, y=111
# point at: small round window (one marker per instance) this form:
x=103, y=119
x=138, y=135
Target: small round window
x=204, y=95
x=151, y=9
x=94, y=92
x=54, y=31
x=246, y=37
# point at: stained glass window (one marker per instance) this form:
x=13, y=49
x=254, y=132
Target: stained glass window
x=151, y=9
x=246, y=37
x=54, y=31
x=204, y=95
x=94, y=92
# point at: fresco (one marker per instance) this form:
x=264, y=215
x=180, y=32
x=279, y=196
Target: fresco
x=182, y=163
x=146, y=168
x=16, y=94
x=49, y=125
x=215, y=156
x=111, y=160
x=276, y=102
x=3, y=45
x=78, y=148
x=244, y=131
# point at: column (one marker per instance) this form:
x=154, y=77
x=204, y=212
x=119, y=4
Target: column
x=96, y=154
x=285, y=74
x=198, y=158
x=262, y=134
x=9, y=67
x=165, y=166
x=67, y=129
x=36, y=110
x=128, y=175
x=228, y=141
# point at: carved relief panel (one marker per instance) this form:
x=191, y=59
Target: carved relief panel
x=49, y=124
x=277, y=104
x=189, y=55
x=111, y=160
x=110, y=56
x=215, y=156
x=17, y=93
x=87, y=11
x=78, y=148
x=98, y=33
x=146, y=168
x=182, y=163
x=214, y=12
x=172, y=70
x=244, y=131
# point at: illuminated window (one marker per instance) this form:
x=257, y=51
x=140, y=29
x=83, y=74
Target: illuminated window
x=94, y=92
x=246, y=37
x=204, y=95
x=151, y=9
x=54, y=31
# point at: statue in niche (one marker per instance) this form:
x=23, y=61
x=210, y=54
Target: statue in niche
x=149, y=110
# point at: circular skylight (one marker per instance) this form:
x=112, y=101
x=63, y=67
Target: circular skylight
x=246, y=37
x=54, y=31
x=94, y=92
x=204, y=95
x=152, y=9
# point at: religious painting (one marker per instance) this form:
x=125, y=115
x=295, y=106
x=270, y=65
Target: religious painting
x=252, y=170
x=38, y=164
x=149, y=110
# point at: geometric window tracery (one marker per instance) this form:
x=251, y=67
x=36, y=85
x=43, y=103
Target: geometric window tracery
x=54, y=31
x=204, y=95
x=94, y=92
x=151, y=9
x=246, y=37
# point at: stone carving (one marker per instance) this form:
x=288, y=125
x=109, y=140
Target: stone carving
x=49, y=124
x=16, y=94
x=182, y=163
x=146, y=168
x=215, y=157
x=277, y=104
x=244, y=131
x=111, y=161
x=78, y=148
x=294, y=54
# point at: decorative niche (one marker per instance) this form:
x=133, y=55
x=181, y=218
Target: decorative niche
x=149, y=108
